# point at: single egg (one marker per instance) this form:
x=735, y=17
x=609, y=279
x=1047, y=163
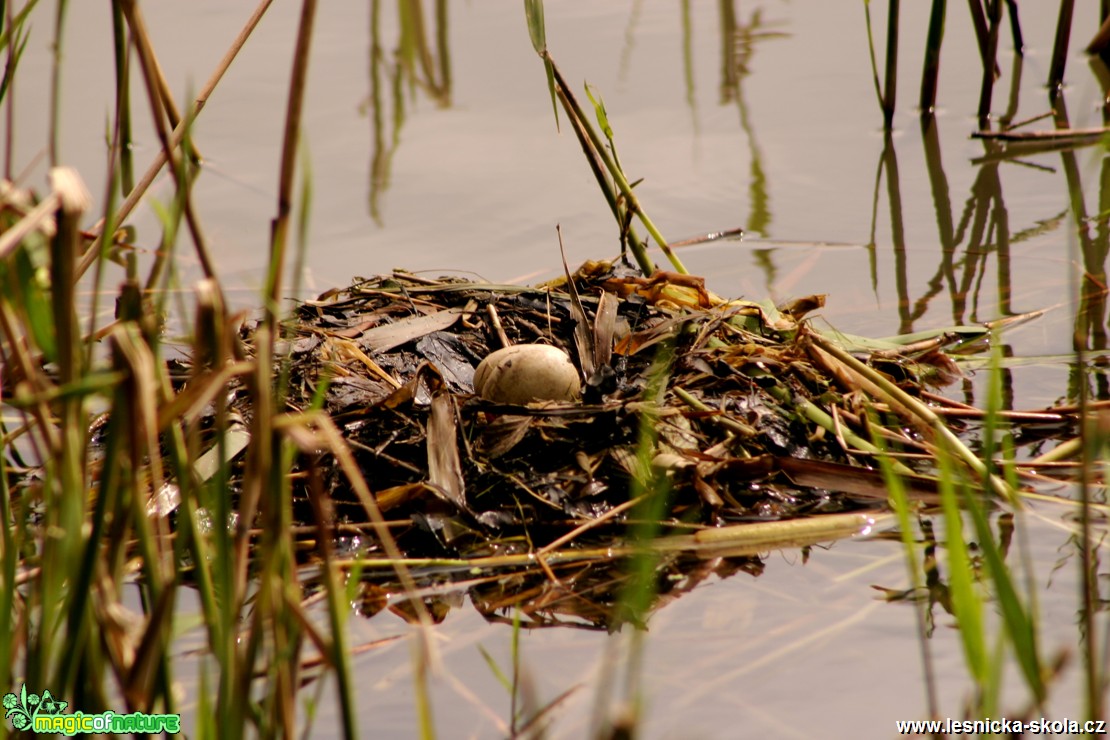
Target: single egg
x=527, y=372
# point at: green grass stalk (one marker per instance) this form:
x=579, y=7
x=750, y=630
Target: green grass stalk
x=122, y=133
x=925, y=414
x=562, y=92
x=900, y=503
x=13, y=39
x=597, y=166
x=967, y=604
x=630, y=199
x=652, y=489
x=64, y=509
x=56, y=85
x=871, y=56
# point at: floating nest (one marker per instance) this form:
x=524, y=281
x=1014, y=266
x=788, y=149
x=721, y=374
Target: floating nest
x=696, y=418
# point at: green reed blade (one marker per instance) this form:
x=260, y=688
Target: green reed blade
x=900, y=502
x=967, y=603
x=533, y=14
x=871, y=54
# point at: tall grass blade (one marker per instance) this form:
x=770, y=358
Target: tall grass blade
x=653, y=491
x=966, y=601
x=1018, y=619
x=122, y=135
x=631, y=201
x=900, y=502
x=18, y=43
x=56, y=85
x=608, y=188
x=15, y=26
x=871, y=54
x=533, y=14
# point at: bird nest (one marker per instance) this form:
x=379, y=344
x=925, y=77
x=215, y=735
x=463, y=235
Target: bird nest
x=702, y=422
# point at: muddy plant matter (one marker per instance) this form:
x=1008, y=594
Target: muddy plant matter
x=749, y=419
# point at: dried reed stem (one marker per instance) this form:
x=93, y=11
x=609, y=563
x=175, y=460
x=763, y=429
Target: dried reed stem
x=280, y=225
x=136, y=194
x=1060, y=48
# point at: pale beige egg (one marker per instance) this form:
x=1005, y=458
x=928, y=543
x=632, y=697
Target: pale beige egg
x=525, y=373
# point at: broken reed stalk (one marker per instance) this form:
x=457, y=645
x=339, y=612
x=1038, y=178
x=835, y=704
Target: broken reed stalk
x=647, y=267
x=92, y=253
x=931, y=69
x=56, y=84
x=122, y=135
x=596, y=149
x=979, y=23
x=290, y=138
x=64, y=506
x=925, y=414
x=1015, y=27
x=1101, y=39
x=160, y=111
x=752, y=537
x=990, y=64
x=1060, y=48
x=630, y=199
x=890, y=80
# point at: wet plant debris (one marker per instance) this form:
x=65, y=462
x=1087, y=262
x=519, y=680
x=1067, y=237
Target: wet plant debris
x=737, y=412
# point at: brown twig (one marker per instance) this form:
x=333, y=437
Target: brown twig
x=178, y=134
x=280, y=225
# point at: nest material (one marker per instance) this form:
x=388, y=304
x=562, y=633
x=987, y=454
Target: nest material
x=683, y=391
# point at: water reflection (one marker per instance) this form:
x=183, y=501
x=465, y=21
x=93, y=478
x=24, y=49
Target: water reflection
x=983, y=229
x=419, y=61
x=972, y=268
x=738, y=44
x=1090, y=317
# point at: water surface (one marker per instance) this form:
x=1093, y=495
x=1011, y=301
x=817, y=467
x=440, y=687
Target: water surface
x=754, y=115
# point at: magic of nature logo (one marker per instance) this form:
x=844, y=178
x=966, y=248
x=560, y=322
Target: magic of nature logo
x=46, y=714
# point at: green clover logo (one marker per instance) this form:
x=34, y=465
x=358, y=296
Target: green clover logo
x=20, y=708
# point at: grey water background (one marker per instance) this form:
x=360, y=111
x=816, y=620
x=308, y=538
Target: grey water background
x=753, y=115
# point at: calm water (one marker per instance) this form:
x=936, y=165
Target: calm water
x=464, y=170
